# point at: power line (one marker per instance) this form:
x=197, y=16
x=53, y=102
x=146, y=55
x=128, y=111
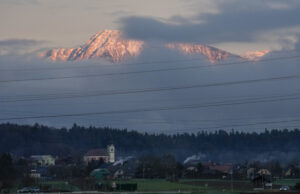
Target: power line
x=139, y=121
x=150, y=90
x=177, y=120
x=147, y=71
x=108, y=65
x=166, y=108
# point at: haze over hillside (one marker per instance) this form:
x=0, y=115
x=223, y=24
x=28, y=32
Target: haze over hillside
x=110, y=45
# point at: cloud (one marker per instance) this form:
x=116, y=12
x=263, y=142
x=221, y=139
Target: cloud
x=20, y=46
x=234, y=21
x=297, y=46
x=22, y=2
x=20, y=42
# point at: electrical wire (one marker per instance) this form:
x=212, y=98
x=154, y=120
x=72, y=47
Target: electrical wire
x=146, y=71
x=165, y=108
x=149, y=90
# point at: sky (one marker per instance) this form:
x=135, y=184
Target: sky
x=70, y=22
x=30, y=26
x=233, y=25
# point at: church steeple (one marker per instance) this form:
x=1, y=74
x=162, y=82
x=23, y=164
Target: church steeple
x=111, y=153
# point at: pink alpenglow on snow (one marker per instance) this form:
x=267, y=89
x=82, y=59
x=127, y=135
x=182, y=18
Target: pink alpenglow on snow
x=110, y=45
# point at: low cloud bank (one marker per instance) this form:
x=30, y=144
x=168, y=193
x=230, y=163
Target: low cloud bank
x=245, y=116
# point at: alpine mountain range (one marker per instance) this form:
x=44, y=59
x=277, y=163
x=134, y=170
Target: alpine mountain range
x=112, y=46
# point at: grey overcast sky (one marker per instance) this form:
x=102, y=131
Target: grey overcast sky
x=69, y=22
x=234, y=25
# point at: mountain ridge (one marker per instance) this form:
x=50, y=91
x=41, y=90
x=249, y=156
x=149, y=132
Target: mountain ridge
x=110, y=45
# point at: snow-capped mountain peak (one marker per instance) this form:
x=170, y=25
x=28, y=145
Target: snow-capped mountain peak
x=110, y=45
x=107, y=44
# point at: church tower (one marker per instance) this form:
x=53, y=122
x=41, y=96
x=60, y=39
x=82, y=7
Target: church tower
x=111, y=153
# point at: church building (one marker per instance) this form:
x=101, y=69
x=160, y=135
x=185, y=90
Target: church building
x=107, y=155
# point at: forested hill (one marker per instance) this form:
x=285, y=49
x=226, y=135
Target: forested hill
x=39, y=139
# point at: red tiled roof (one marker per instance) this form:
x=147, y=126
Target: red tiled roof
x=97, y=152
x=207, y=164
x=221, y=168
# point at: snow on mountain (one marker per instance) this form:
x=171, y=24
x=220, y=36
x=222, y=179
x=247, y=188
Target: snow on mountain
x=105, y=44
x=213, y=54
x=255, y=55
x=110, y=45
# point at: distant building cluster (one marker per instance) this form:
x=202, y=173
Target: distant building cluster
x=102, y=164
x=40, y=163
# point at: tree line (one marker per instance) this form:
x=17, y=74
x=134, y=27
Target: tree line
x=25, y=140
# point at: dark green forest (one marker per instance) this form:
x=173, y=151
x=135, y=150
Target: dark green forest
x=25, y=140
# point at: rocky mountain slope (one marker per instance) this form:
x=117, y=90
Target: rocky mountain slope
x=213, y=54
x=109, y=45
x=106, y=44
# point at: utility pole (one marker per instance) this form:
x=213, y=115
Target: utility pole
x=143, y=171
x=231, y=180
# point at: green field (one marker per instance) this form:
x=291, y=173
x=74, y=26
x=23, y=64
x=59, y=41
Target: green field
x=289, y=182
x=210, y=180
x=160, y=185
x=195, y=186
x=59, y=185
x=149, y=185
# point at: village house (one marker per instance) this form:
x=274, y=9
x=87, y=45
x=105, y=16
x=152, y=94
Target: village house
x=39, y=172
x=251, y=173
x=264, y=172
x=43, y=160
x=124, y=168
x=292, y=172
x=107, y=155
x=212, y=168
x=34, y=174
x=223, y=168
